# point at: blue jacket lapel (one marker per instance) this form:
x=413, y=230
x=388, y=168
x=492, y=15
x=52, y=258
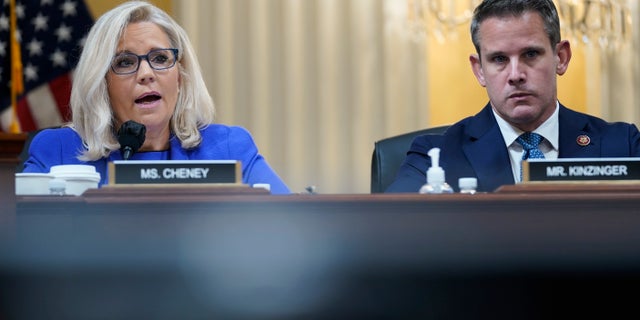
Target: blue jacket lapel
x=572, y=126
x=484, y=147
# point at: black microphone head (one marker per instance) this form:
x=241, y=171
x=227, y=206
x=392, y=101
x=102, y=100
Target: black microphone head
x=131, y=136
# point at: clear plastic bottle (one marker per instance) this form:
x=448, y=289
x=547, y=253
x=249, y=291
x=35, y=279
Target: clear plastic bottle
x=436, y=188
x=436, y=182
x=468, y=185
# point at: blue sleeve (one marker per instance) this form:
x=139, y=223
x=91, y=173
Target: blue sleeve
x=412, y=174
x=255, y=168
x=52, y=147
x=634, y=138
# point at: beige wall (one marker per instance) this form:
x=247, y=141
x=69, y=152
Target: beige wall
x=454, y=92
x=317, y=82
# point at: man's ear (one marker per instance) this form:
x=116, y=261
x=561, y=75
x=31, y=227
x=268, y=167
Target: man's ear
x=563, y=54
x=476, y=66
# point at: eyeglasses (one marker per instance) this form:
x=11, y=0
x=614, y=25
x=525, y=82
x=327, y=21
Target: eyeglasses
x=158, y=59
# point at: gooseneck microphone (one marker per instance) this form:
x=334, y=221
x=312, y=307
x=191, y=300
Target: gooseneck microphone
x=131, y=137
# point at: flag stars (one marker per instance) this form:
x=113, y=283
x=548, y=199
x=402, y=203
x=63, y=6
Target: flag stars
x=40, y=22
x=4, y=22
x=19, y=10
x=30, y=72
x=82, y=41
x=59, y=58
x=68, y=8
x=34, y=47
x=63, y=33
x=48, y=32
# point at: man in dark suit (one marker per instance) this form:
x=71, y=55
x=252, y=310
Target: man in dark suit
x=519, y=55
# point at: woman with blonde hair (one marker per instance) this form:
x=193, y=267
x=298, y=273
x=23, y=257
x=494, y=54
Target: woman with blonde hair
x=138, y=66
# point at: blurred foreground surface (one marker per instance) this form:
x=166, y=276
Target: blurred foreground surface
x=322, y=257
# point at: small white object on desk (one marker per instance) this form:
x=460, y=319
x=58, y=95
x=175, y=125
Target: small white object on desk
x=32, y=183
x=436, y=182
x=78, y=178
x=57, y=187
x=266, y=186
x=468, y=185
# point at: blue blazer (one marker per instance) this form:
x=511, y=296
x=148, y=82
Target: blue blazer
x=474, y=147
x=219, y=142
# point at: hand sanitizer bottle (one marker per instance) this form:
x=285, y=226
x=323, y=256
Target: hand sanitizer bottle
x=435, y=175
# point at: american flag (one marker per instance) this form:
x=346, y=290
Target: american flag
x=50, y=34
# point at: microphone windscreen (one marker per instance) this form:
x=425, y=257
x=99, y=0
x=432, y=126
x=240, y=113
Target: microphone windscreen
x=131, y=136
x=130, y=141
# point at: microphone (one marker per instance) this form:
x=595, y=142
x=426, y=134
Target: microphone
x=131, y=137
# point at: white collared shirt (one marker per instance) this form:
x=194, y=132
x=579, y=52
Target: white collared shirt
x=549, y=130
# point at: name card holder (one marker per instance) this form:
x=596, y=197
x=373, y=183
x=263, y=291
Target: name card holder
x=581, y=169
x=174, y=172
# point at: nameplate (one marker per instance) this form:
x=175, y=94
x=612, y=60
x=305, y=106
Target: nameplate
x=581, y=169
x=174, y=172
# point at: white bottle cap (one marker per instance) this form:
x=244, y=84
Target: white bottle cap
x=467, y=183
x=266, y=186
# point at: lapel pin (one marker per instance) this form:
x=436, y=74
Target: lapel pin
x=583, y=140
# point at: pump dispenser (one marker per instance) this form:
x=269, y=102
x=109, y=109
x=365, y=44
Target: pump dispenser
x=436, y=182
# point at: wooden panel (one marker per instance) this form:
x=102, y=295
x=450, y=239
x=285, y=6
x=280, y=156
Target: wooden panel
x=11, y=145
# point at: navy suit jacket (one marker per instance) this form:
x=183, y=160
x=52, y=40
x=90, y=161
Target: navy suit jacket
x=474, y=147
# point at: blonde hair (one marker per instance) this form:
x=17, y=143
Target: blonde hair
x=92, y=116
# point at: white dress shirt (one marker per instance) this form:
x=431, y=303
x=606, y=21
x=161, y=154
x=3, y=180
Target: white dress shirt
x=549, y=130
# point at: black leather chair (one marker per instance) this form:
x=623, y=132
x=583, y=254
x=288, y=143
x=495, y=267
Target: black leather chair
x=388, y=155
